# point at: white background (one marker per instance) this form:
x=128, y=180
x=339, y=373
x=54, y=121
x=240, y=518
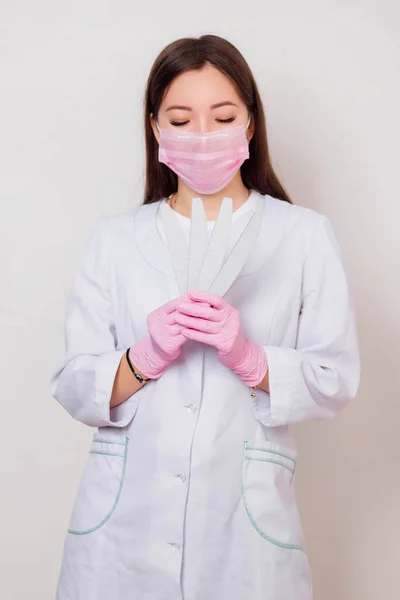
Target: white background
x=72, y=78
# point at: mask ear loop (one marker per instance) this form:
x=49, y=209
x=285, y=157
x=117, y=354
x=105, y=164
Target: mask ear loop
x=155, y=121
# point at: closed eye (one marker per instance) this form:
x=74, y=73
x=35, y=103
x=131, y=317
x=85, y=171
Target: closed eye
x=181, y=123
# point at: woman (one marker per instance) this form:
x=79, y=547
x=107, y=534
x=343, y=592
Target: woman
x=188, y=487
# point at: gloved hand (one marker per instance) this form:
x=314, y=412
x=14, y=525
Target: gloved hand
x=152, y=355
x=211, y=320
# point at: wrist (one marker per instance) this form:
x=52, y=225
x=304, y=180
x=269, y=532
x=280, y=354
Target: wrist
x=253, y=367
x=140, y=377
x=145, y=360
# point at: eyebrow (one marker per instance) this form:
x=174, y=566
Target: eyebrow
x=218, y=105
x=226, y=103
x=178, y=107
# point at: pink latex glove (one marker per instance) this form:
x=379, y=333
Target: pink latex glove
x=211, y=320
x=152, y=355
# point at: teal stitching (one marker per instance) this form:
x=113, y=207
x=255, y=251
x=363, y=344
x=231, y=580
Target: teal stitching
x=106, y=453
x=108, y=442
x=256, y=527
x=116, y=499
x=275, y=462
x=272, y=452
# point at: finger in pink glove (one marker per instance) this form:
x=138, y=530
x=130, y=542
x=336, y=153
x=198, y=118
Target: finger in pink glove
x=210, y=319
x=152, y=355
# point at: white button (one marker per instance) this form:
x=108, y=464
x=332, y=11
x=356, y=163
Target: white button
x=175, y=546
x=181, y=477
x=192, y=408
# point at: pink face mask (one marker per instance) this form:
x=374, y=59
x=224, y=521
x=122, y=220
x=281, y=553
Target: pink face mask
x=206, y=162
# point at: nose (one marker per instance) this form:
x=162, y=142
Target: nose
x=204, y=124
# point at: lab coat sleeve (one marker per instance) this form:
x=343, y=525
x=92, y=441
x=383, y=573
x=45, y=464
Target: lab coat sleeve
x=317, y=378
x=83, y=382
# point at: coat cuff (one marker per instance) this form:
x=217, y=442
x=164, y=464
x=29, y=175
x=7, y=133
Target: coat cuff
x=272, y=408
x=121, y=415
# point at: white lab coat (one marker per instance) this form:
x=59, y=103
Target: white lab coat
x=188, y=489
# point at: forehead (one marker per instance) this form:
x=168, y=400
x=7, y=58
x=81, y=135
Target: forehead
x=201, y=88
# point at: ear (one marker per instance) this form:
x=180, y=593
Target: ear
x=154, y=127
x=251, y=128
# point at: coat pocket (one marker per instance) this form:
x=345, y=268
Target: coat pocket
x=101, y=483
x=268, y=494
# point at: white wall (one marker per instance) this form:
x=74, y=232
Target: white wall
x=72, y=76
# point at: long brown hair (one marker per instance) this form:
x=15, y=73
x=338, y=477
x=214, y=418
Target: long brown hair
x=189, y=54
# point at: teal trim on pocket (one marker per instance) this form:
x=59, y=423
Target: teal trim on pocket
x=275, y=462
x=246, y=506
x=106, y=453
x=267, y=537
x=106, y=518
x=271, y=452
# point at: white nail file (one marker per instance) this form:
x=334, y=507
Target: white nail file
x=178, y=247
x=217, y=247
x=237, y=257
x=198, y=241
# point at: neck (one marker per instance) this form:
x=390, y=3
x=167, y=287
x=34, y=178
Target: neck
x=182, y=201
